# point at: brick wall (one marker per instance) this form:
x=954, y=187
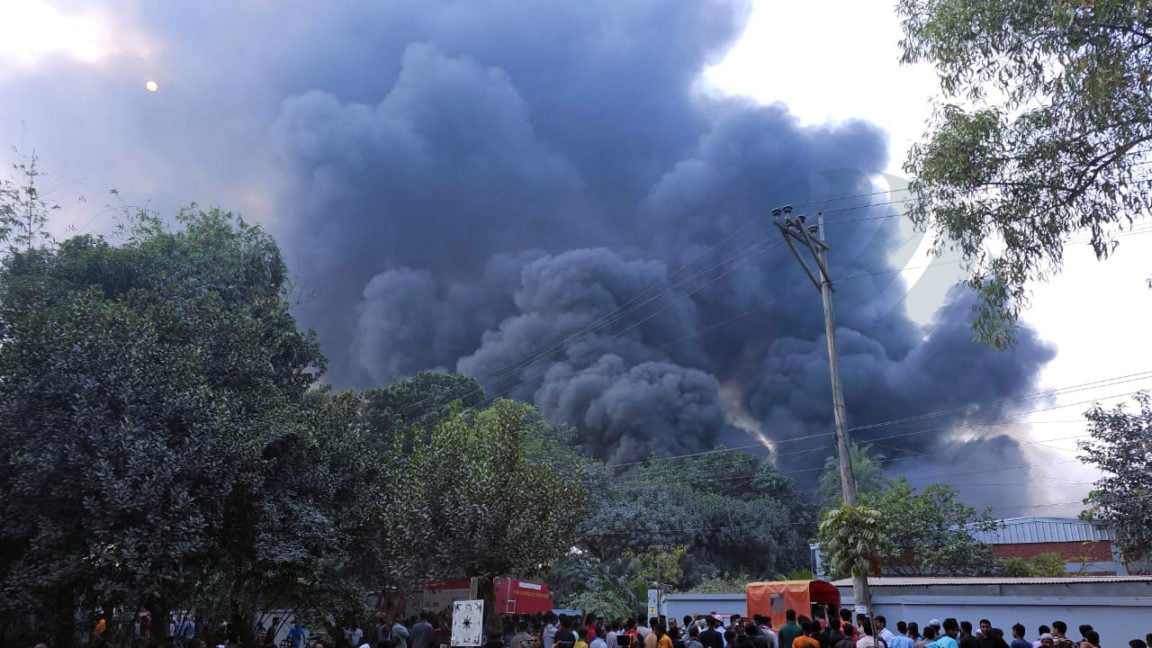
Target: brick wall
x=1099, y=551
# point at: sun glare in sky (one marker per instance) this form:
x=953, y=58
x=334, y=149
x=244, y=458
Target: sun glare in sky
x=32, y=29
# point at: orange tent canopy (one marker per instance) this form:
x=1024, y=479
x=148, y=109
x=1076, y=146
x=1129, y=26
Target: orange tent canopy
x=772, y=599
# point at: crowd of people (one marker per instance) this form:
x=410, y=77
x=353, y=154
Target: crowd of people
x=821, y=630
x=549, y=630
x=425, y=630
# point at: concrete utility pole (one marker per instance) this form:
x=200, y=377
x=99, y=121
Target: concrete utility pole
x=811, y=237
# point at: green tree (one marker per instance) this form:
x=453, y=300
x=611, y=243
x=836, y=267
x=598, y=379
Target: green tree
x=850, y=538
x=140, y=385
x=581, y=581
x=1048, y=565
x=480, y=498
x=735, y=511
x=1043, y=134
x=422, y=401
x=1121, y=448
x=606, y=601
x=930, y=533
x=722, y=584
x=659, y=567
x=866, y=469
x=23, y=210
x=310, y=534
x=1015, y=568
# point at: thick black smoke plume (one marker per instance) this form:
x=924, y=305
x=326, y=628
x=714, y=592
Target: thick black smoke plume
x=558, y=211
x=541, y=196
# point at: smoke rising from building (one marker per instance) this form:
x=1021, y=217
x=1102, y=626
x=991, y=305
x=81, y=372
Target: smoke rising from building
x=568, y=220
x=541, y=195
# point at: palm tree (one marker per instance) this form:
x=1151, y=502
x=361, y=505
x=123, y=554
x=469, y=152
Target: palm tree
x=866, y=469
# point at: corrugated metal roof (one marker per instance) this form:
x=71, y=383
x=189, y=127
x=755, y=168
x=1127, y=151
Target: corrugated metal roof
x=1027, y=530
x=886, y=581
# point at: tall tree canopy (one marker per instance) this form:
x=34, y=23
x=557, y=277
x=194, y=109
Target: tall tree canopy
x=483, y=494
x=736, y=514
x=141, y=384
x=422, y=401
x=1121, y=447
x=1043, y=133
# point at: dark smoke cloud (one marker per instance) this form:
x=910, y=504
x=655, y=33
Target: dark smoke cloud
x=408, y=320
x=477, y=186
x=573, y=298
x=628, y=410
x=946, y=375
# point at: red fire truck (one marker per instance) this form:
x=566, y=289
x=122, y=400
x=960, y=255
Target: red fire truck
x=513, y=596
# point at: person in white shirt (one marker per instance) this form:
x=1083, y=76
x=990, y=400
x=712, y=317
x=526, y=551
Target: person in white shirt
x=599, y=641
x=399, y=633
x=867, y=639
x=613, y=632
x=549, y=630
x=882, y=630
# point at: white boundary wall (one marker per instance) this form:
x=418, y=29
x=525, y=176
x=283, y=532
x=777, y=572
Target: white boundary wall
x=1119, y=608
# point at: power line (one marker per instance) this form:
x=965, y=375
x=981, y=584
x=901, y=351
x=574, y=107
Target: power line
x=602, y=340
x=1003, y=422
x=628, y=308
x=1103, y=382
x=612, y=318
x=634, y=325
x=654, y=292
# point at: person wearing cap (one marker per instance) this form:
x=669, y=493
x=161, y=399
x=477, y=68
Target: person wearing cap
x=711, y=638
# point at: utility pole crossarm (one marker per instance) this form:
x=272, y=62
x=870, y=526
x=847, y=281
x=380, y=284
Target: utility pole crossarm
x=788, y=236
x=794, y=229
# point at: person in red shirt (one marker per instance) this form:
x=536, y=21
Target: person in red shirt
x=631, y=635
